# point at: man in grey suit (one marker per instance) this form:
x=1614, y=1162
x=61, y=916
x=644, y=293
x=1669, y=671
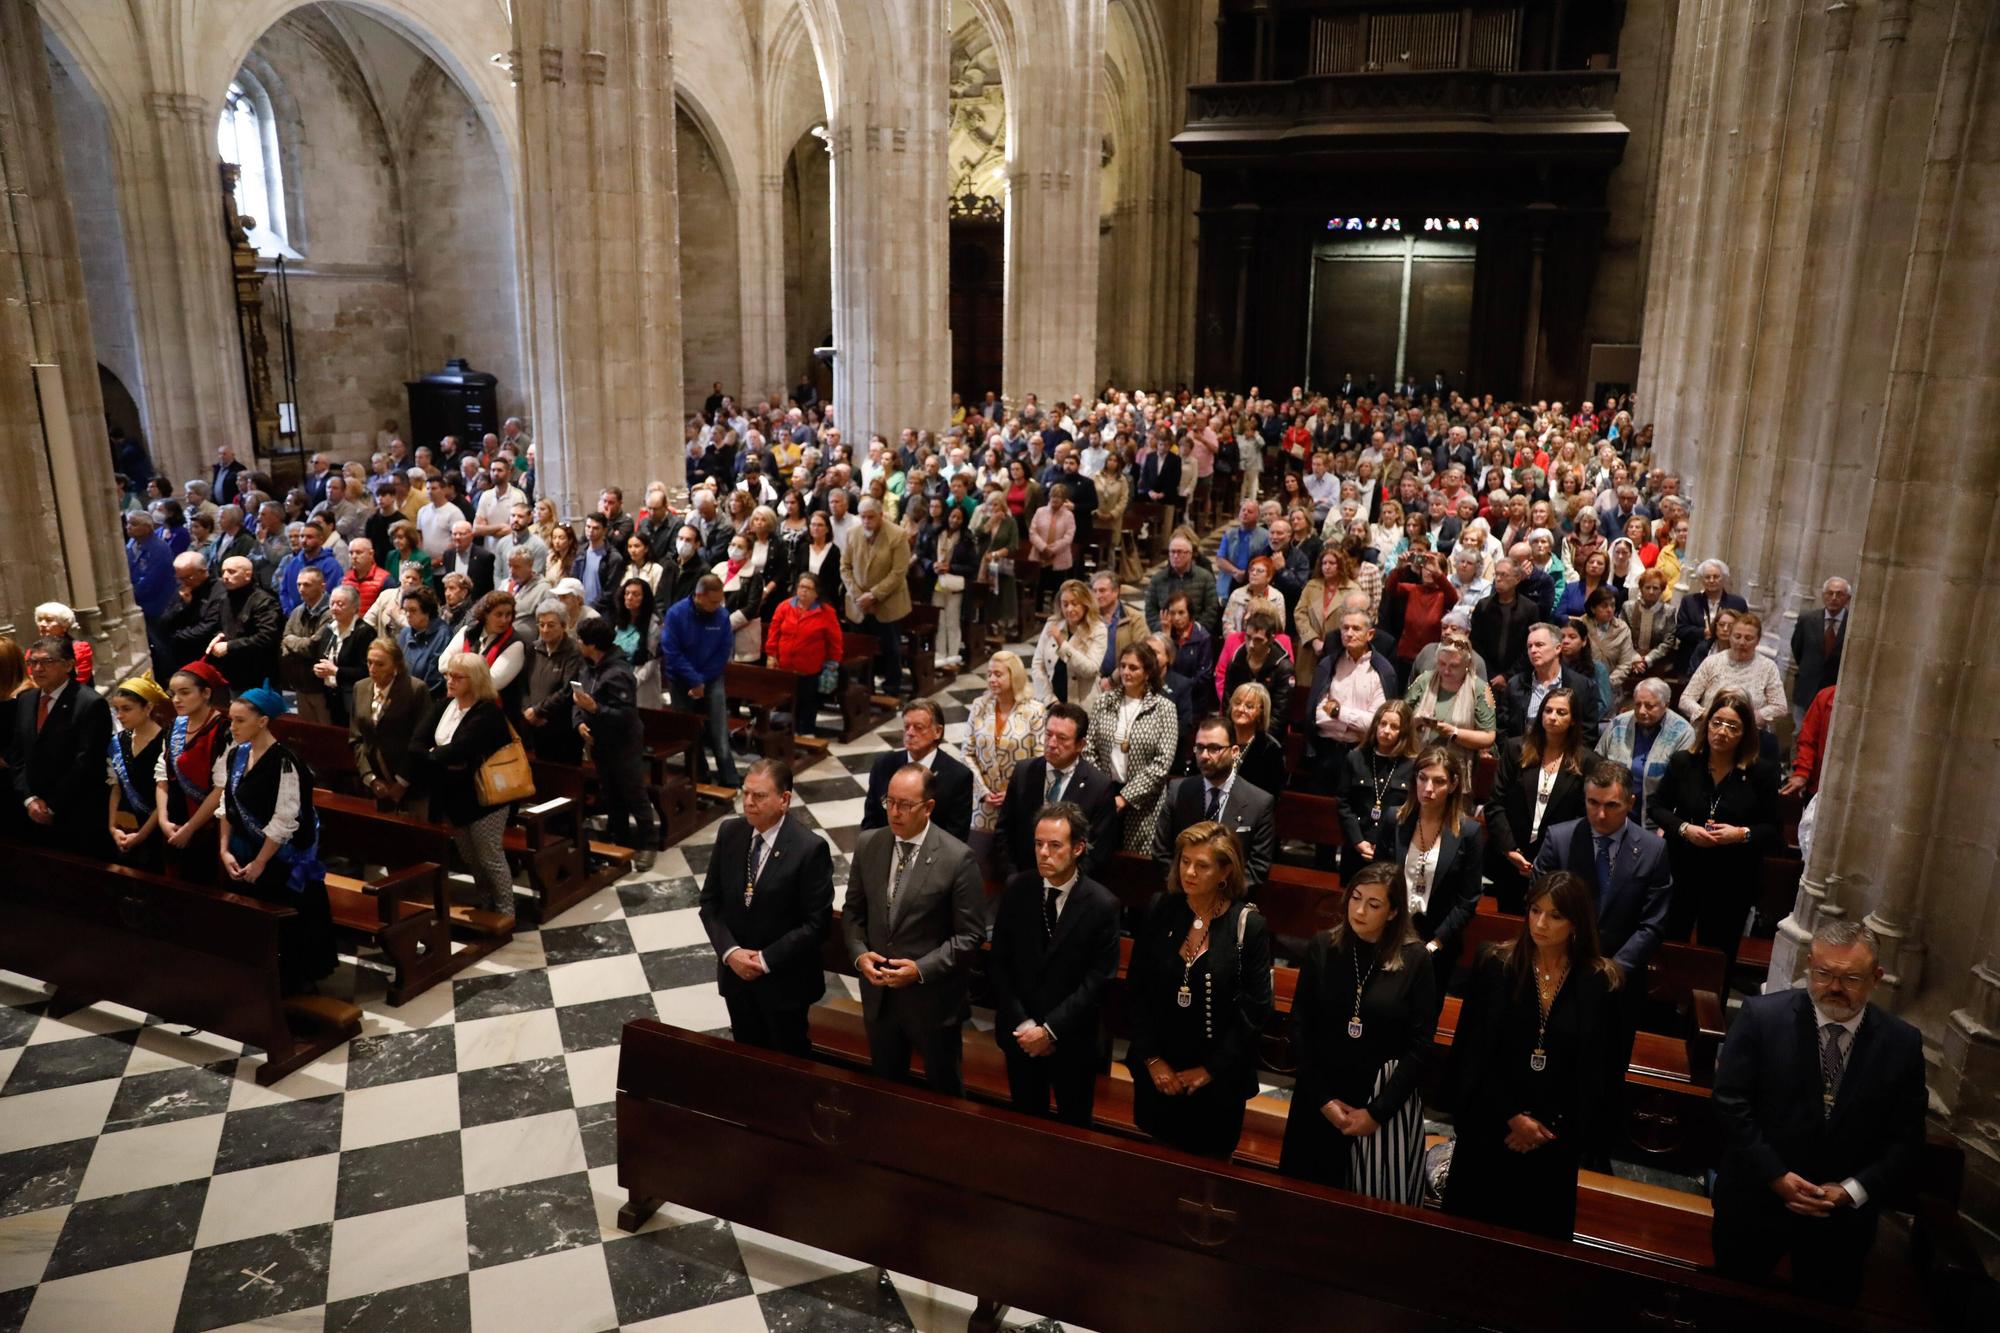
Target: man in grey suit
x=1216, y=793
x=1626, y=864
x=1818, y=640
x=913, y=920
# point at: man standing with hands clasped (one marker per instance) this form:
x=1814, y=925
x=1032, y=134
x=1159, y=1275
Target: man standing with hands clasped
x=1821, y=1098
x=765, y=905
x=913, y=919
x=1055, y=948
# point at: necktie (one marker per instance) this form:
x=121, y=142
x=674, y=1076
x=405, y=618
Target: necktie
x=1832, y=1056
x=42, y=712
x=1049, y=910
x=758, y=847
x=1832, y=637
x=1214, y=804
x=1603, y=866
x=904, y=850
x=1056, y=786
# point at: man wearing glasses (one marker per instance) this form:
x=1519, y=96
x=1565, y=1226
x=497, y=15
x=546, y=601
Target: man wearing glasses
x=1821, y=1098
x=913, y=920
x=1215, y=793
x=62, y=731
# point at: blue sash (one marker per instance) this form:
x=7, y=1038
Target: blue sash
x=176, y=742
x=140, y=806
x=301, y=854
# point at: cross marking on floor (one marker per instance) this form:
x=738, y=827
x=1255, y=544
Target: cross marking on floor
x=258, y=1276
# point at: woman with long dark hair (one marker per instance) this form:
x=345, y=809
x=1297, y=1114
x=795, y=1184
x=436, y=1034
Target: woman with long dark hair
x=1436, y=839
x=1537, y=1066
x=183, y=777
x=1537, y=784
x=1364, y=1021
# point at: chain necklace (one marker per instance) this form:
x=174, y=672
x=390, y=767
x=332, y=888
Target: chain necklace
x=1360, y=984
x=1381, y=785
x=1545, y=1002
x=1198, y=935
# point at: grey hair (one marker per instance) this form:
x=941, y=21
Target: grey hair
x=1655, y=688
x=1702, y=568
x=870, y=505
x=1844, y=932
x=1842, y=580
x=344, y=592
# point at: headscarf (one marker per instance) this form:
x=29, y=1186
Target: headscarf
x=266, y=701
x=143, y=688
x=206, y=672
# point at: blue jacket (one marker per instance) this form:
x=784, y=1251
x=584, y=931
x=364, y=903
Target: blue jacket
x=152, y=567
x=695, y=647
x=297, y=564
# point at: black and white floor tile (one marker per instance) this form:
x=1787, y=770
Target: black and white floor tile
x=452, y=1168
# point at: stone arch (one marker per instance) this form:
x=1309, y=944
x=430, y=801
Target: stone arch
x=710, y=255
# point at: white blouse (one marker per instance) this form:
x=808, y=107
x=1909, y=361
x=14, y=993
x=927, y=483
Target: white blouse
x=1420, y=871
x=1128, y=713
x=448, y=721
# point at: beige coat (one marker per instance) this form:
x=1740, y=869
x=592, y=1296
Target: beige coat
x=880, y=566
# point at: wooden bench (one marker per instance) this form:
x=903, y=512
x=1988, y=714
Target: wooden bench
x=671, y=733
x=919, y=632
x=604, y=862
x=861, y=709
x=187, y=953
x=406, y=914
x=766, y=692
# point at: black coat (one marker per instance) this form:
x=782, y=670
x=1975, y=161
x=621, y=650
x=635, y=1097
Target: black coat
x=1055, y=980
x=63, y=763
x=1454, y=892
x=1816, y=669
x=1261, y=763
x=786, y=917
x=1241, y=1000
x=1090, y=788
x=348, y=668
x=1692, y=621
x=451, y=768
x=953, y=793
x=1249, y=812
x=476, y=564
x=1513, y=704
x=1510, y=813
x=251, y=622
x=616, y=731
x=1367, y=784
x=1768, y=1100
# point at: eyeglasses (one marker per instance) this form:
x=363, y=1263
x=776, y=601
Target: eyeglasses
x=902, y=806
x=1724, y=724
x=1209, y=747
x=1826, y=977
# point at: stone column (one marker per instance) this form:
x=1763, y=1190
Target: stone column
x=891, y=257
x=764, y=368
x=1054, y=152
x=183, y=295
x=63, y=539
x=599, y=225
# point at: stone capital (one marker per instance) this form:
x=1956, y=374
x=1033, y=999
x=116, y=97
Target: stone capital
x=171, y=106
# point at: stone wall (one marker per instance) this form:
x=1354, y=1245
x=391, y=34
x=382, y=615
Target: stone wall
x=808, y=254
x=711, y=272
x=464, y=297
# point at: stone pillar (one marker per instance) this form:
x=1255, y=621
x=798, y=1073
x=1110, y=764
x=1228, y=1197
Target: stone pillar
x=891, y=256
x=599, y=225
x=764, y=368
x=182, y=285
x=63, y=538
x=1054, y=152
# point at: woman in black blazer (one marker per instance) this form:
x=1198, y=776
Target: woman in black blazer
x=1537, y=784
x=1538, y=1066
x=464, y=730
x=1374, y=780
x=1260, y=756
x=1198, y=992
x=1364, y=1020
x=1442, y=850
x=1717, y=807
x=389, y=706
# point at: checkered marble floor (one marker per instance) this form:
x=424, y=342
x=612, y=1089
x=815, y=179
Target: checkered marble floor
x=452, y=1168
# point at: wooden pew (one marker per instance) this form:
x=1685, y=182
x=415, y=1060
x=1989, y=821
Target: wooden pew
x=765, y=691
x=919, y=643
x=684, y=804
x=604, y=862
x=861, y=709
x=188, y=953
x=1159, y=1238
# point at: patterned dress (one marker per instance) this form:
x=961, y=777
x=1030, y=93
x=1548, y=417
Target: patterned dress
x=992, y=756
x=1147, y=744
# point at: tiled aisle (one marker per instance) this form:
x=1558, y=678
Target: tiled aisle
x=453, y=1168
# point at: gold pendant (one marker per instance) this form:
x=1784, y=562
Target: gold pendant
x=1185, y=999
x=1354, y=1028
x=1538, y=1061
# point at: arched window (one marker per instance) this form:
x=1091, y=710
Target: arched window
x=247, y=136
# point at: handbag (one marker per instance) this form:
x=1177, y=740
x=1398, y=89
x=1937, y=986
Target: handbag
x=950, y=583
x=504, y=776
x=829, y=677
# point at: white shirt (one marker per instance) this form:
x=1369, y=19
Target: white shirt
x=770, y=840
x=434, y=523
x=448, y=721
x=1853, y=1027
x=1420, y=872
x=1128, y=715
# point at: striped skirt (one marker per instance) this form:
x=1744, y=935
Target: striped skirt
x=1388, y=1164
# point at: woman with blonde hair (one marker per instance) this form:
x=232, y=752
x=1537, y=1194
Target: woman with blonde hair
x=1070, y=650
x=1198, y=993
x=1260, y=756
x=1003, y=731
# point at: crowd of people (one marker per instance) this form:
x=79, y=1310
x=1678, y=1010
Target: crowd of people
x=1402, y=597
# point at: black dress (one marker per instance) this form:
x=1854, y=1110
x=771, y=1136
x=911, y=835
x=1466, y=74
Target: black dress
x=294, y=877
x=187, y=763
x=1714, y=886
x=1262, y=764
x=1510, y=819
x=1371, y=785
x=1575, y=1095
x=1380, y=1070
x=131, y=775
x=1229, y=998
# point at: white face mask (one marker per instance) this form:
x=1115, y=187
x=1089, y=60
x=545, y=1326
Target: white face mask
x=685, y=547
x=738, y=553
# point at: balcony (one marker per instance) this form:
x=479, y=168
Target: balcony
x=1453, y=114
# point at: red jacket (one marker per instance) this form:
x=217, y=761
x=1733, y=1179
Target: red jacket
x=800, y=640
x=1423, y=611
x=369, y=588
x=1810, y=749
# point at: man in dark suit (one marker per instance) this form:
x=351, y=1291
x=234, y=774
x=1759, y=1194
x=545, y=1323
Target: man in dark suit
x=606, y=704
x=1625, y=864
x=249, y=624
x=765, y=905
x=467, y=558
x=1501, y=621
x=913, y=919
x=1817, y=643
x=1216, y=793
x=1821, y=1098
x=1522, y=700
x=224, y=478
x=1059, y=773
x=923, y=730
x=62, y=730
x=1055, y=948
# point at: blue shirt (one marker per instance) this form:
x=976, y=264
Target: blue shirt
x=297, y=564
x=152, y=567
x=1642, y=745
x=593, y=564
